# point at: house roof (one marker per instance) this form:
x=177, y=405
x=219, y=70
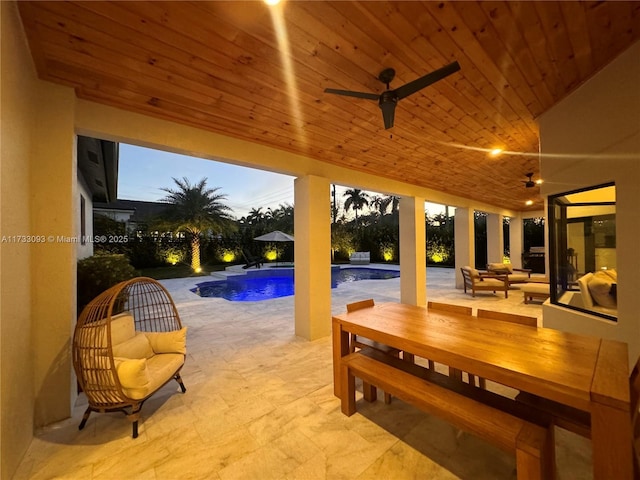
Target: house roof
x=98, y=164
x=228, y=67
x=142, y=211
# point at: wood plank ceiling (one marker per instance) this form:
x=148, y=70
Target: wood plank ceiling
x=221, y=66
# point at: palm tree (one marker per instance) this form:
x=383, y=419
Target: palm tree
x=196, y=209
x=356, y=200
x=255, y=216
x=381, y=204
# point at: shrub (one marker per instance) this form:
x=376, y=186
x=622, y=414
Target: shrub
x=144, y=252
x=100, y=272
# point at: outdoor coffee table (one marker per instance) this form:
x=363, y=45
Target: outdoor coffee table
x=539, y=291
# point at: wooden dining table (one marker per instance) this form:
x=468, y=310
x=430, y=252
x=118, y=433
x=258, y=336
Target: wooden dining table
x=585, y=372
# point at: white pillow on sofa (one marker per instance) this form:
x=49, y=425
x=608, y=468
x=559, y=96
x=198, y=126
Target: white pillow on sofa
x=585, y=295
x=168, y=342
x=136, y=347
x=500, y=267
x=472, y=271
x=600, y=288
x=133, y=375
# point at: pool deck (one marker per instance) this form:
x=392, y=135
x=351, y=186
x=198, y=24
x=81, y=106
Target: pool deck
x=440, y=288
x=260, y=404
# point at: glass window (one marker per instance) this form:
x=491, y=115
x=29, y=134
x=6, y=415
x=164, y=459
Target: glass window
x=583, y=250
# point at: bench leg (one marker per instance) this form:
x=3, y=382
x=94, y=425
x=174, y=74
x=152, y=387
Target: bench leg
x=347, y=390
x=370, y=392
x=535, y=453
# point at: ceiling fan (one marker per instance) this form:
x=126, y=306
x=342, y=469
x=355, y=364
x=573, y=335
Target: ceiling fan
x=388, y=99
x=529, y=183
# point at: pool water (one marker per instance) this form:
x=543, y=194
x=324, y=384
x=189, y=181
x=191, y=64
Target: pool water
x=259, y=285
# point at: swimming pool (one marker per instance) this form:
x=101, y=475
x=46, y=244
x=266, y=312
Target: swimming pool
x=259, y=285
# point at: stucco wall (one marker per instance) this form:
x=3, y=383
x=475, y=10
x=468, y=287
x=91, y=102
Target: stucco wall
x=37, y=280
x=16, y=362
x=593, y=137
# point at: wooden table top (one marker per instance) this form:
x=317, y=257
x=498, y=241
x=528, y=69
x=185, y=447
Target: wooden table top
x=550, y=363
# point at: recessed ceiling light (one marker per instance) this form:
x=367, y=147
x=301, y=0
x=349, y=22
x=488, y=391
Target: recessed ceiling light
x=495, y=152
x=272, y=2
x=529, y=202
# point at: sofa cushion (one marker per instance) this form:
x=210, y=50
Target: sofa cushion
x=500, y=267
x=491, y=282
x=136, y=347
x=585, y=295
x=134, y=376
x=122, y=327
x=519, y=278
x=472, y=271
x=168, y=342
x=162, y=368
x=600, y=288
x=611, y=273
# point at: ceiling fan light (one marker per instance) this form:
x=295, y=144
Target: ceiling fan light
x=539, y=181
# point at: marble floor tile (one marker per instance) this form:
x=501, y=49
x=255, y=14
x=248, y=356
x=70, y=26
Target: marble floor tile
x=260, y=405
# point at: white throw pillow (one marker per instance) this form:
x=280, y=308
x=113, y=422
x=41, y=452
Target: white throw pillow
x=600, y=288
x=168, y=342
x=500, y=267
x=472, y=271
x=136, y=347
x=132, y=372
x=122, y=327
x=585, y=295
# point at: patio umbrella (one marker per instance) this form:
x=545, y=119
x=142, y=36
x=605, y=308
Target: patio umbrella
x=275, y=236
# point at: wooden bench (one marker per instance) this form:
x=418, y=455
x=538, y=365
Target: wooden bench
x=476, y=411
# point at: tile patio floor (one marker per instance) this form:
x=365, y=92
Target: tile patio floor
x=260, y=405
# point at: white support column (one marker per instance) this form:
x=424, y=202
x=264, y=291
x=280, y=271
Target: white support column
x=464, y=242
x=516, y=241
x=413, y=256
x=312, y=219
x=495, y=238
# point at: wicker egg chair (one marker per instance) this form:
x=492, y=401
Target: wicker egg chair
x=127, y=344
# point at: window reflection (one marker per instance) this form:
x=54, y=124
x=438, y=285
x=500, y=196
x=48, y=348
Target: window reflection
x=583, y=250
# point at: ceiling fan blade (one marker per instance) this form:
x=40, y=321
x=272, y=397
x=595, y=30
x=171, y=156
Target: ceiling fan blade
x=349, y=93
x=422, y=82
x=388, y=114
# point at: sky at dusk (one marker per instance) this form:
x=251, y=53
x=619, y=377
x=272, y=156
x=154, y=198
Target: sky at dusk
x=143, y=172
